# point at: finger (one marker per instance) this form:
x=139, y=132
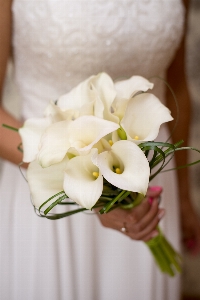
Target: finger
x=114, y=219
x=142, y=234
x=154, y=191
x=151, y=235
x=137, y=213
x=147, y=219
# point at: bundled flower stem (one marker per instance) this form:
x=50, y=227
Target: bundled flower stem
x=167, y=259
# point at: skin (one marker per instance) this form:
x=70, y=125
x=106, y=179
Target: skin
x=141, y=222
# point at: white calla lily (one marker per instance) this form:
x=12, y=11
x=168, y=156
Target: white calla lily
x=119, y=107
x=82, y=100
x=54, y=144
x=80, y=134
x=125, y=166
x=83, y=182
x=78, y=96
x=105, y=90
x=31, y=133
x=57, y=114
x=45, y=182
x=127, y=88
x=143, y=118
x=88, y=130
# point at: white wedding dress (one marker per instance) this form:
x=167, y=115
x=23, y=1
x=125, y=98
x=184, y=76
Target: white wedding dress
x=56, y=45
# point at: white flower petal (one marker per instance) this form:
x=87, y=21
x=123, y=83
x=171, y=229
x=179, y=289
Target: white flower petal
x=45, y=182
x=78, y=96
x=115, y=137
x=119, y=107
x=80, y=134
x=80, y=184
x=54, y=144
x=57, y=114
x=30, y=134
x=127, y=88
x=131, y=161
x=88, y=130
x=143, y=117
x=82, y=100
x=104, y=87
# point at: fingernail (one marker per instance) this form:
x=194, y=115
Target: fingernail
x=150, y=200
x=154, y=234
x=161, y=214
x=155, y=188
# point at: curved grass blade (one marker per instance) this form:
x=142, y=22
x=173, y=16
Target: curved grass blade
x=187, y=165
x=67, y=203
x=54, y=196
x=19, y=147
x=119, y=197
x=159, y=154
x=153, y=144
x=10, y=127
x=19, y=165
x=54, y=204
x=167, y=152
x=161, y=167
x=65, y=214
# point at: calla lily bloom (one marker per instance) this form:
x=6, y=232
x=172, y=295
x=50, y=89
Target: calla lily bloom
x=80, y=134
x=82, y=180
x=124, y=166
x=45, y=182
x=79, y=96
x=143, y=118
x=82, y=100
x=105, y=90
x=126, y=89
x=57, y=114
x=31, y=133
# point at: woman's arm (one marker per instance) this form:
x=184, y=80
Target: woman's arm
x=176, y=77
x=9, y=140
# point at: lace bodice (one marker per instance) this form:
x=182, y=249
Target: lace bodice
x=58, y=43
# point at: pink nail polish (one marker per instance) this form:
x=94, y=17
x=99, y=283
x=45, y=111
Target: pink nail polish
x=150, y=200
x=155, y=188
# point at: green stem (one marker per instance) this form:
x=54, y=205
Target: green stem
x=107, y=207
x=165, y=256
x=10, y=127
x=162, y=261
x=171, y=254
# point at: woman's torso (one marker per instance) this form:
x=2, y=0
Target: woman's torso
x=57, y=43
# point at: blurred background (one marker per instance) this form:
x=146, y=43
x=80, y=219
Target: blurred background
x=191, y=271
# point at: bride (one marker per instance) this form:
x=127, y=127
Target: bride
x=55, y=45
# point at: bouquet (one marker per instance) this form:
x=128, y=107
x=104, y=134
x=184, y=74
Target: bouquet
x=91, y=149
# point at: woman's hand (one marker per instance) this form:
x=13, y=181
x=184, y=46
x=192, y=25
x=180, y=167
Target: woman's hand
x=139, y=223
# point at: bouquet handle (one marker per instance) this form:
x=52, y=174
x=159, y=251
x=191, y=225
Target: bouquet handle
x=167, y=259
